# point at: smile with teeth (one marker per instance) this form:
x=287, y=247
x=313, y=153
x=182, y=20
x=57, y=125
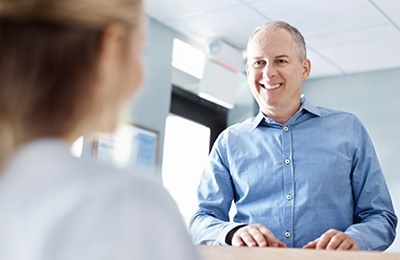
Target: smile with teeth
x=273, y=86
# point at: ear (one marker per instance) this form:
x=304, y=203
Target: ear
x=112, y=46
x=110, y=60
x=247, y=69
x=306, y=69
x=248, y=73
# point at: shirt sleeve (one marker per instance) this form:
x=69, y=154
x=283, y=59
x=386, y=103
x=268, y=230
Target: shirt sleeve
x=374, y=221
x=210, y=224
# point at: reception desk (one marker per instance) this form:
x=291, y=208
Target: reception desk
x=242, y=253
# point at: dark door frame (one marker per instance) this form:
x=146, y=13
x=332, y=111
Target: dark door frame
x=189, y=105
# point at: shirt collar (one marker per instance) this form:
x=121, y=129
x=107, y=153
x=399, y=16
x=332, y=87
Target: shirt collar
x=257, y=120
x=308, y=106
x=305, y=105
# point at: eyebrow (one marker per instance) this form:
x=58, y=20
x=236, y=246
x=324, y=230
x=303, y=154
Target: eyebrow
x=282, y=56
x=277, y=57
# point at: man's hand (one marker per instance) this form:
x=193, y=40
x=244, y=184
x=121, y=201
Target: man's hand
x=333, y=240
x=255, y=235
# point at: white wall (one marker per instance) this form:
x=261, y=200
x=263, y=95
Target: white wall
x=151, y=106
x=374, y=97
x=245, y=104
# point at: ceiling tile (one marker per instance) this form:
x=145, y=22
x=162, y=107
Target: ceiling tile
x=162, y=10
x=313, y=17
x=222, y=23
x=353, y=35
x=375, y=48
x=320, y=67
x=390, y=8
x=251, y=1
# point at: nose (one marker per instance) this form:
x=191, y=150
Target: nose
x=269, y=71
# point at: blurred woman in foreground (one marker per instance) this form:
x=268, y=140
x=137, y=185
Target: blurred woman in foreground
x=67, y=68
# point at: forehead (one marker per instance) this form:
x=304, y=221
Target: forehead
x=272, y=42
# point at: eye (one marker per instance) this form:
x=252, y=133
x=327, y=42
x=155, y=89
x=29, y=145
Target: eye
x=281, y=61
x=259, y=63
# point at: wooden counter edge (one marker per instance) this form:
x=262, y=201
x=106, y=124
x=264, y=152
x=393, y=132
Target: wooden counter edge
x=240, y=253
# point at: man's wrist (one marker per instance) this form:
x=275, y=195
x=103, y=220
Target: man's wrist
x=229, y=236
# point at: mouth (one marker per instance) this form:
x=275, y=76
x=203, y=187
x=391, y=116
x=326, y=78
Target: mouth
x=272, y=86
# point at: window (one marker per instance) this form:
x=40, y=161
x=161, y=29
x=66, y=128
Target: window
x=188, y=59
x=186, y=147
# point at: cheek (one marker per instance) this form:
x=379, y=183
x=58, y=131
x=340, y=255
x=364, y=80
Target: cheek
x=253, y=77
x=135, y=77
x=133, y=74
x=298, y=80
x=253, y=85
x=138, y=72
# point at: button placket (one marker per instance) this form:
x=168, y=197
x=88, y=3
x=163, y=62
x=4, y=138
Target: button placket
x=288, y=180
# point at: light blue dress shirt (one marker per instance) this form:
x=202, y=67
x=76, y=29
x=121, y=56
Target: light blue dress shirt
x=318, y=171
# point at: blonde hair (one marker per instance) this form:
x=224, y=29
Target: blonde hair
x=95, y=14
x=49, y=52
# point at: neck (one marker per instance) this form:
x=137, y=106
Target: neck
x=282, y=115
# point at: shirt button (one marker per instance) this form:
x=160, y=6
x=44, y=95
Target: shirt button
x=287, y=161
x=289, y=197
x=287, y=234
x=285, y=128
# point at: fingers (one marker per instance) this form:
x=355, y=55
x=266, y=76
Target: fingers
x=311, y=245
x=325, y=239
x=281, y=244
x=333, y=240
x=237, y=241
x=348, y=244
x=354, y=247
x=248, y=238
x=345, y=244
x=255, y=235
x=269, y=236
x=338, y=240
x=260, y=238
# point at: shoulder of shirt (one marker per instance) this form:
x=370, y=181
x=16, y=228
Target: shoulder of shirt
x=112, y=179
x=83, y=176
x=337, y=113
x=140, y=194
x=239, y=128
x=341, y=117
x=244, y=125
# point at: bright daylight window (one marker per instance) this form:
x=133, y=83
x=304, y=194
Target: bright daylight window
x=188, y=59
x=186, y=147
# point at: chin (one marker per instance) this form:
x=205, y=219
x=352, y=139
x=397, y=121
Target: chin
x=111, y=127
x=107, y=124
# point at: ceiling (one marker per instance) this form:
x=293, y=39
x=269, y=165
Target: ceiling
x=343, y=36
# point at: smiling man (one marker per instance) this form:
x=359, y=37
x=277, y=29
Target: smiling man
x=299, y=175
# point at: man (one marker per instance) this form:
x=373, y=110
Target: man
x=299, y=175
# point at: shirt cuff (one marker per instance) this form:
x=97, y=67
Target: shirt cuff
x=359, y=240
x=221, y=240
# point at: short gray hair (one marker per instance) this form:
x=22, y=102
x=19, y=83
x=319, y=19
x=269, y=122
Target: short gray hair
x=300, y=43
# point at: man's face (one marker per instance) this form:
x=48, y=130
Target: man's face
x=275, y=73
